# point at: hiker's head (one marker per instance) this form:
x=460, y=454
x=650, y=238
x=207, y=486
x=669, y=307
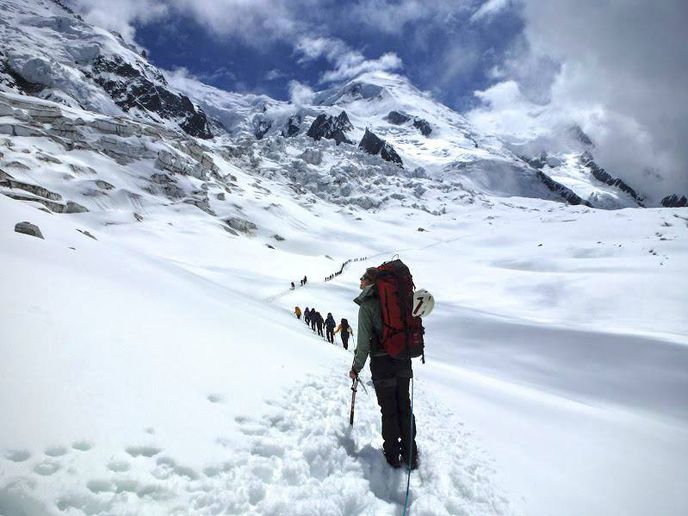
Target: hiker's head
x=368, y=277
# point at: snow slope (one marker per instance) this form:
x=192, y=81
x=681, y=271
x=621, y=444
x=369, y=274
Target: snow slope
x=149, y=362
x=554, y=384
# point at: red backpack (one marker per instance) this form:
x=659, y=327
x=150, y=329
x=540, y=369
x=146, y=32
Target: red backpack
x=402, y=333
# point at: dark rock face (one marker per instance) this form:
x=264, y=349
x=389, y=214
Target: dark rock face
x=371, y=144
x=73, y=207
x=13, y=81
x=7, y=181
x=132, y=87
x=243, y=225
x=353, y=91
x=537, y=163
x=559, y=189
x=292, y=127
x=423, y=126
x=580, y=135
x=28, y=229
x=331, y=128
x=674, y=201
x=400, y=118
x=602, y=175
x=261, y=126
x=396, y=118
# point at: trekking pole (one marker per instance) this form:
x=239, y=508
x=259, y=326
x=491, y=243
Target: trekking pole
x=364, y=387
x=412, y=427
x=354, y=384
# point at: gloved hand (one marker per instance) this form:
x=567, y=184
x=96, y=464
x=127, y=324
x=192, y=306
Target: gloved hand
x=353, y=374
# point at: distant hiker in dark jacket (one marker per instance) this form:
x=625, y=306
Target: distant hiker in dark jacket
x=391, y=378
x=319, y=323
x=292, y=285
x=330, y=325
x=305, y=280
x=314, y=318
x=346, y=332
x=307, y=316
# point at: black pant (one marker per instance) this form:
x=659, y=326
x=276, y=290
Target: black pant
x=391, y=378
x=345, y=340
x=319, y=325
x=329, y=332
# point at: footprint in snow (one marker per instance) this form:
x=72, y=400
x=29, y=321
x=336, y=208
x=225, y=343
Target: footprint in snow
x=101, y=486
x=118, y=466
x=301, y=457
x=82, y=445
x=143, y=451
x=309, y=460
x=18, y=455
x=46, y=468
x=55, y=451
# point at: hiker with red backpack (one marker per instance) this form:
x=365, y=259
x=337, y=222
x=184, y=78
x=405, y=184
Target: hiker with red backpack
x=391, y=342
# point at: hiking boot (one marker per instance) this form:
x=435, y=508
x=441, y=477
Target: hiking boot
x=414, y=461
x=393, y=461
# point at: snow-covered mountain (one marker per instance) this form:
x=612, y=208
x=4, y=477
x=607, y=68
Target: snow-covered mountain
x=149, y=363
x=49, y=52
x=427, y=138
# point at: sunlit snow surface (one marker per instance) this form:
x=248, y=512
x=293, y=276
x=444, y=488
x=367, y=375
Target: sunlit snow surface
x=145, y=372
x=156, y=367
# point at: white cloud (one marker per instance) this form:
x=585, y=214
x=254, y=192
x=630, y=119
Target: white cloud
x=490, y=8
x=348, y=63
x=120, y=15
x=255, y=21
x=312, y=48
x=354, y=66
x=623, y=77
x=300, y=94
x=393, y=16
x=274, y=74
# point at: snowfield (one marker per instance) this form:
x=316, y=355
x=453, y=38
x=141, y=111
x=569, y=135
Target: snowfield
x=150, y=362
x=145, y=372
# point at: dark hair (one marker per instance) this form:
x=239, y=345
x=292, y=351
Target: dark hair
x=345, y=324
x=370, y=274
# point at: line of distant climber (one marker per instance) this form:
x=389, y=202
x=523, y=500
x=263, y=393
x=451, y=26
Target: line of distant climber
x=303, y=281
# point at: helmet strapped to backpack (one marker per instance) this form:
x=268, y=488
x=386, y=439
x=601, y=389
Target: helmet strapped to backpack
x=423, y=303
x=402, y=333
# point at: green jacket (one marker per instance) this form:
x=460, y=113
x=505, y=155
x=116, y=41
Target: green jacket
x=369, y=327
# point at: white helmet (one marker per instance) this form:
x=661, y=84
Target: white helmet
x=423, y=303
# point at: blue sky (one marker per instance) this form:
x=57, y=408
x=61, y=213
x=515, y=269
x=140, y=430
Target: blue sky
x=425, y=47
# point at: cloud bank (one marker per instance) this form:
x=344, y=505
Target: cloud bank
x=622, y=75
